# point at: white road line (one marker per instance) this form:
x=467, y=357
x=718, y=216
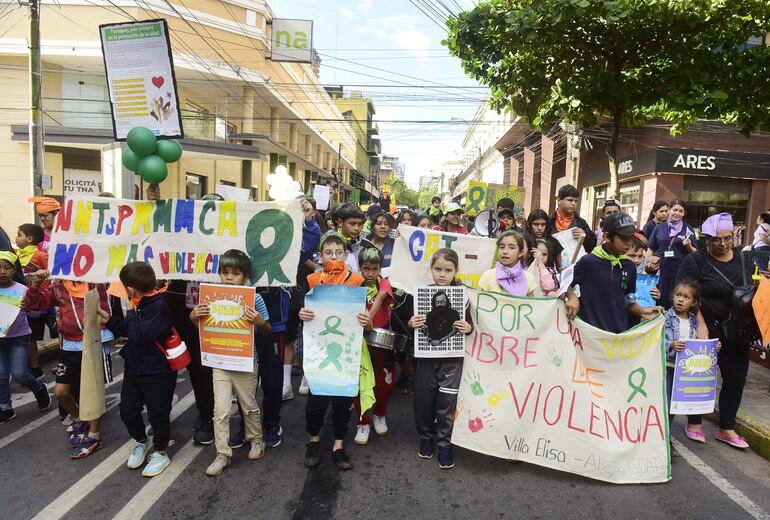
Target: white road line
x=62, y=505
x=138, y=506
x=5, y=441
x=20, y=399
x=720, y=482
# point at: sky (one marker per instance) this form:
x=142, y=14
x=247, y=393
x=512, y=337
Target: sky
x=384, y=48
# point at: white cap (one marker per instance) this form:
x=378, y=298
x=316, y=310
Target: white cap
x=453, y=206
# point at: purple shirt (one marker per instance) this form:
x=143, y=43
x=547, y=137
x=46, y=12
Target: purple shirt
x=10, y=298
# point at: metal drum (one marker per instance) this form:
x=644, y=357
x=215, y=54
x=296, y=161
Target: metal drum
x=385, y=339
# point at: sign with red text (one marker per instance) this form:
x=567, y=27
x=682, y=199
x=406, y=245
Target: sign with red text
x=410, y=266
x=227, y=337
x=564, y=395
x=93, y=238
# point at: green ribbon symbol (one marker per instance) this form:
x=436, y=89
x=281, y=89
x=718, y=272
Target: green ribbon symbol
x=268, y=259
x=333, y=351
x=475, y=198
x=331, y=323
x=638, y=388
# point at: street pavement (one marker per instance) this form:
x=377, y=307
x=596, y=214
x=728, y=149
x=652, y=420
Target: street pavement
x=389, y=481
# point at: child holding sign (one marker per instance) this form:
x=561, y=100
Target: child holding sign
x=509, y=275
x=437, y=380
x=235, y=269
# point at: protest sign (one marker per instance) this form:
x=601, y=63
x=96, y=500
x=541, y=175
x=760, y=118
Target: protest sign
x=10, y=307
x=645, y=282
x=566, y=395
x=761, y=306
x=140, y=78
x=571, y=245
x=695, y=378
x=321, y=195
x=233, y=193
x=410, y=266
x=332, y=341
x=94, y=238
x=81, y=182
x=482, y=195
x=93, y=402
x=227, y=338
x=442, y=307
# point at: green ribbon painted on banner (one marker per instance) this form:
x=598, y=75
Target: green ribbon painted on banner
x=268, y=259
x=475, y=198
x=638, y=388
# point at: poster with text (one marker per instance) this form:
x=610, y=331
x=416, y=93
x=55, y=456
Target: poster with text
x=695, y=378
x=140, y=78
x=570, y=245
x=645, y=282
x=442, y=307
x=332, y=341
x=410, y=265
x=227, y=337
x=563, y=394
x=93, y=238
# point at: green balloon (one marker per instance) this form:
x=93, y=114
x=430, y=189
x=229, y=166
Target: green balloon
x=142, y=141
x=169, y=150
x=130, y=159
x=153, y=169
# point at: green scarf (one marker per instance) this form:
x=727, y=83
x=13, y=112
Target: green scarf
x=433, y=211
x=605, y=255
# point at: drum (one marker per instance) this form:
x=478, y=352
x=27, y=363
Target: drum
x=385, y=339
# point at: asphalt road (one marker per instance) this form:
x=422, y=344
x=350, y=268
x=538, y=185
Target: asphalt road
x=389, y=481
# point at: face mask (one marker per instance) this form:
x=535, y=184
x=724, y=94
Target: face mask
x=334, y=266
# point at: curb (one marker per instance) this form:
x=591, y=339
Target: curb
x=756, y=431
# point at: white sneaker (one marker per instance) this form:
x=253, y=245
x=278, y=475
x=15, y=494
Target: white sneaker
x=303, y=388
x=362, y=435
x=288, y=393
x=380, y=425
x=218, y=466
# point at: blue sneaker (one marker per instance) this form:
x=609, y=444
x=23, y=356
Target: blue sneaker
x=273, y=436
x=87, y=446
x=139, y=455
x=79, y=430
x=445, y=458
x=426, y=449
x=156, y=465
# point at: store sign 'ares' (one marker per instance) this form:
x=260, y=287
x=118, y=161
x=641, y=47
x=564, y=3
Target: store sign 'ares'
x=695, y=162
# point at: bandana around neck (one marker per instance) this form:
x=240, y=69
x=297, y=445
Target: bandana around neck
x=25, y=254
x=334, y=273
x=512, y=279
x=605, y=255
x=563, y=222
x=674, y=228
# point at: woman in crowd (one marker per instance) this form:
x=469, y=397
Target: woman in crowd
x=380, y=237
x=537, y=226
x=670, y=243
x=453, y=222
x=406, y=217
x=718, y=270
x=658, y=214
x=761, y=240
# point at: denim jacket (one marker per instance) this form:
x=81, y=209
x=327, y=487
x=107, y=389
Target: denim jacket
x=671, y=330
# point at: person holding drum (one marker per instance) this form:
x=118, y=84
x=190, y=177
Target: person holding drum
x=381, y=343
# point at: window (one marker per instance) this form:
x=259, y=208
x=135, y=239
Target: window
x=251, y=17
x=629, y=200
x=196, y=186
x=706, y=196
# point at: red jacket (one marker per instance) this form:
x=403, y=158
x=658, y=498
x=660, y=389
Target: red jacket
x=69, y=312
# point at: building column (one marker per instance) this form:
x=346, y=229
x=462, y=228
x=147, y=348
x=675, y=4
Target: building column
x=318, y=157
x=546, y=172
x=308, y=149
x=275, y=124
x=293, y=138
x=115, y=178
x=248, y=111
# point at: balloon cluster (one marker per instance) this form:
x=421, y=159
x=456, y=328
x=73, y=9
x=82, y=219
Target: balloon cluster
x=148, y=156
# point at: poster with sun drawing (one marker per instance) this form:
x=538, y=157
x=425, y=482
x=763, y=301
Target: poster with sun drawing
x=695, y=378
x=227, y=337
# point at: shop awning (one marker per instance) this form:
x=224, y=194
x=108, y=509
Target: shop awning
x=269, y=145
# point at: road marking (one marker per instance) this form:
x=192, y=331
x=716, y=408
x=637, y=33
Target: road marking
x=20, y=399
x=62, y=505
x=720, y=482
x=146, y=497
x=5, y=441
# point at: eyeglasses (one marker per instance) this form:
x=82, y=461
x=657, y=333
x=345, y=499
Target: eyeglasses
x=338, y=253
x=722, y=240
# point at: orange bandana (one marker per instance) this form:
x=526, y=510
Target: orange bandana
x=563, y=223
x=335, y=272
x=136, y=299
x=76, y=289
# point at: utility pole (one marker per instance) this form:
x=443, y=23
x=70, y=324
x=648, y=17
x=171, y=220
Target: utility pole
x=36, y=144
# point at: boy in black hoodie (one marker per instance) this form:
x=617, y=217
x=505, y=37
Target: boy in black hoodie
x=148, y=379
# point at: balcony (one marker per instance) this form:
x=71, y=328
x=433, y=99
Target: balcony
x=373, y=147
x=356, y=179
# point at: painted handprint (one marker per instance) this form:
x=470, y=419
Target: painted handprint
x=476, y=424
x=473, y=379
x=555, y=357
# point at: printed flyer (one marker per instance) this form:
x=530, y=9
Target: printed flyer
x=227, y=338
x=695, y=378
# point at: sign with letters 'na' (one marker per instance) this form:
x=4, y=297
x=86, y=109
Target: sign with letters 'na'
x=292, y=40
x=93, y=238
x=564, y=395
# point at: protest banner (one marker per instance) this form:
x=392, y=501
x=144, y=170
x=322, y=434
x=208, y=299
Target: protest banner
x=761, y=305
x=332, y=341
x=93, y=402
x=695, y=378
x=410, y=266
x=227, y=338
x=563, y=394
x=140, y=78
x=482, y=195
x=573, y=247
x=10, y=307
x=93, y=238
x=645, y=282
x=442, y=307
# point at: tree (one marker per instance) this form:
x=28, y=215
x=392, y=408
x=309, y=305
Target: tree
x=405, y=196
x=626, y=62
x=424, y=196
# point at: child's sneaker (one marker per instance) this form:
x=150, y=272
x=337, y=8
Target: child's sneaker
x=139, y=455
x=79, y=430
x=313, y=454
x=362, y=435
x=218, y=466
x=6, y=414
x=87, y=446
x=43, y=399
x=426, y=449
x=341, y=459
x=156, y=465
x=304, y=389
x=257, y=450
x=273, y=436
x=380, y=425
x=288, y=393
x=445, y=458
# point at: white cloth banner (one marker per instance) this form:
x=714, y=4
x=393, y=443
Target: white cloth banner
x=410, y=266
x=94, y=238
x=564, y=395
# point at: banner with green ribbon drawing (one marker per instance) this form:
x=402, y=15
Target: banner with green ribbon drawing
x=541, y=389
x=93, y=238
x=482, y=195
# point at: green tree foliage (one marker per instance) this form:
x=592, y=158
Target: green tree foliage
x=624, y=61
x=405, y=196
x=425, y=194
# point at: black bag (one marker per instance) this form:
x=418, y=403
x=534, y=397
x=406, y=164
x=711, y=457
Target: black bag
x=740, y=327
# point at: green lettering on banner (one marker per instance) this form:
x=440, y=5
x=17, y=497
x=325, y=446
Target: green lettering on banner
x=132, y=32
x=268, y=259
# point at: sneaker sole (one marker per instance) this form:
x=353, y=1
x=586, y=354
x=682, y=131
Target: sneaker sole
x=312, y=463
x=381, y=434
x=260, y=456
x=360, y=443
x=205, y=443
x=88, y=454
x=736, y=446
x=426, y=457
x=447, y=467
x=158, y=472
x=144, y=459
x=46, y=407
x=236, y=446
x=8, y=419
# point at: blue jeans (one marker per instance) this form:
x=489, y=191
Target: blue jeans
x=14, y=354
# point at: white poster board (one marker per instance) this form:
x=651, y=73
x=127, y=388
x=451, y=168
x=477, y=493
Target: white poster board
x=570, y=245
x=442, y=307
x=321, y=194
x=291, y=40
x=82, y=182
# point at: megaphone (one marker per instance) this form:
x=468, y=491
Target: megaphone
x=487, y=223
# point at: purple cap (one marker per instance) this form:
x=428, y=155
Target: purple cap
x=716, y=223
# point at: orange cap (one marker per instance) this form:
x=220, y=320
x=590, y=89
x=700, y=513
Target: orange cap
x=45, y=204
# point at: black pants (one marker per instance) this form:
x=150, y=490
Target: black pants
x=270, y=352
x=316, y=410
x=154, y=391
x=201, y=380
x=436, y=384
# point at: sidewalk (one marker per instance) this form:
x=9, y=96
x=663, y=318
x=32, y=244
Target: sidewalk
x=754, y=414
